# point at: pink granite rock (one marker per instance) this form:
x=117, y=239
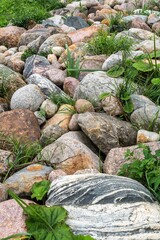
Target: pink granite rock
x=12, y=219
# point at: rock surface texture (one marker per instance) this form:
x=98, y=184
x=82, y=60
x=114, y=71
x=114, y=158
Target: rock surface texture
x=123, y=208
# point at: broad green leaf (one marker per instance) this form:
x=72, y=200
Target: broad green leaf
x=152, y=55
x=128, y=107
x=60, y=232
x=155, y=81
x=115, y=71
x=80, y=237
x=39, y=189
x=143, y=66
x=125, y=96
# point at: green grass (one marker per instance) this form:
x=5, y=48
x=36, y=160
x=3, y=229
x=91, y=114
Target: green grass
x=104, y=43
x=21, y=12
x=60, y=99
x=23, y=153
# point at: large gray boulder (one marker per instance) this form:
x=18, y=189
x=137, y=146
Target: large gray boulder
x=71, y=153
x=28, y=97
x=96, y=83
x=107, y=132
x=107, y=207
x=147, y=117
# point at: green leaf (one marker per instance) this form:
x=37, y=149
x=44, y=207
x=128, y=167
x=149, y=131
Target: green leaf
x=128, y=107
x=152, y=55
x=126, y=96
x=80, y=237
x=27, y=235
x=143, y=66
x=115, y=71
x=155, y=81
x=45, y=223
x=104, y=95
x=39, y=189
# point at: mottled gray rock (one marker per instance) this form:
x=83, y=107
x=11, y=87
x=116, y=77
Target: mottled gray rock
x=116, y=156
x=107, y=132
x=112, y=106
x=117, y=58
x=51, y=133
x=76, y=22
x=57, y=76
x=10, y=80
x=40, y=117
x=107, y=207
x=33, y=34
x=5, y=158
x=3, y=192
x=55, y=40
x=90, y=90
x=35, y=64
x=56, y=20
x=148, y=46
x=46, y=86
x=130, y=18
x=22, y=181
x=139, y=101
x=35, y=44
x=70, y=154
x=49, y=108
x=29, y=97
x=147, y=117
x=73, y=124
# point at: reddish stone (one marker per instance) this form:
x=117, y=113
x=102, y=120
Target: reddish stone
x=9, y=36
x=12, y=218
x=20, y=124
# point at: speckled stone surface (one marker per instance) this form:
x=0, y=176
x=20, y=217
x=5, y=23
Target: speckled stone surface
x=107, y=207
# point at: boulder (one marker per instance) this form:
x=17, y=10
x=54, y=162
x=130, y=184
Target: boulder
x=106, y=207
x=70, y=153
x=55, y=40
x=20, y=124
x=21, y=182
x=147, y=118
x=36, y=64
x=10, y=80
x=46, y=86
x=107, y=132
x=10, y=35
x=94, y=84
x=28, y=97
x=116, y=156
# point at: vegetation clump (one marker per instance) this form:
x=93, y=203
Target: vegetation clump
x=145, y=170
x=21, y=12
x=105, y=43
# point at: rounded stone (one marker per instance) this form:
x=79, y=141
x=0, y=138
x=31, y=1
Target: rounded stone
x=49, y=107
x=28, y=97
x=73, y=124
x=83, y=105
x=144, y=136
x=112, y=106
x=70, y=85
